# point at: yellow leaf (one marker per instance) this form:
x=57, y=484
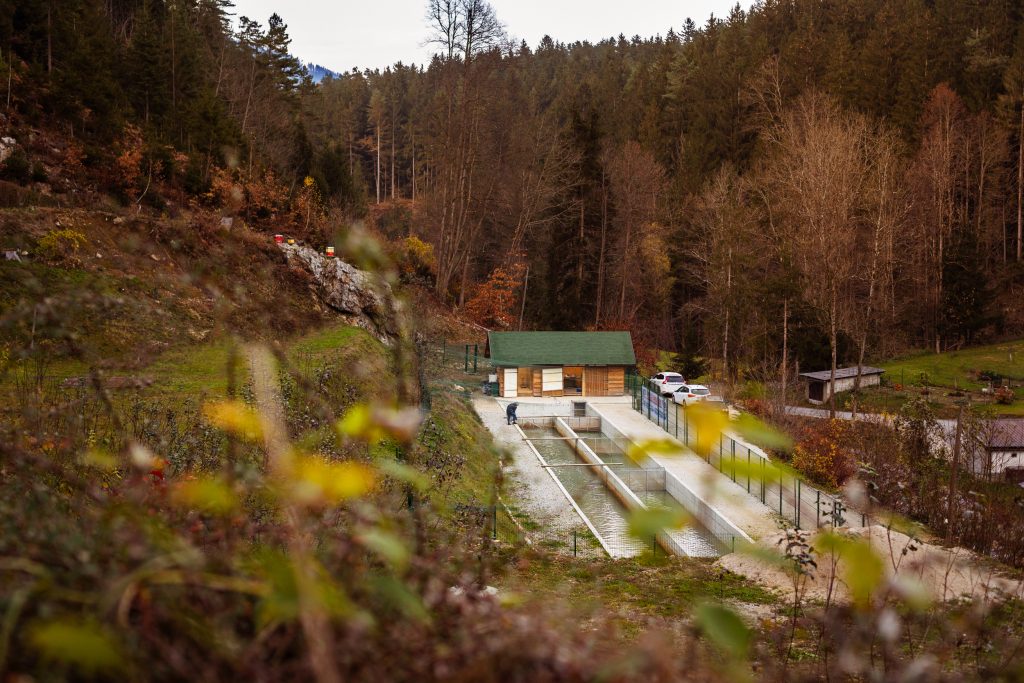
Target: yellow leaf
x=212, y=496
x=98, y=459
x=318, y=482
x=83, y=645
x=235, y=417
x=863, y=569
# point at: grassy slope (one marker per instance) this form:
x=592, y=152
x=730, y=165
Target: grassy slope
x=960, y=368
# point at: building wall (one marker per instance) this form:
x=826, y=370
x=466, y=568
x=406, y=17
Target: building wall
x=1002, y=460
x=614, y=385
x=845, y=384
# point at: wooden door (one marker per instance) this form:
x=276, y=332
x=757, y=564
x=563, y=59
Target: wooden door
x=511, y=383
x=596, y=382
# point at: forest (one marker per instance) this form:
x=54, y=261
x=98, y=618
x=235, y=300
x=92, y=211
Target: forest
x=799, y=178
x=240, y=435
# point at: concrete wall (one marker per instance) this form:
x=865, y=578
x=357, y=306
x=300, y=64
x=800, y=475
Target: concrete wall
x=715, y=522
x=845, y=384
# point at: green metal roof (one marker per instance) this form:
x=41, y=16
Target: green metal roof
x=509, y=349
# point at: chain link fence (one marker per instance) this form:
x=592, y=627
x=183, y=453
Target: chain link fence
x=806, y=506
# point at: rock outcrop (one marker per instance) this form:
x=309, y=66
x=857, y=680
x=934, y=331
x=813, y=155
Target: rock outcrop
x=358, y=297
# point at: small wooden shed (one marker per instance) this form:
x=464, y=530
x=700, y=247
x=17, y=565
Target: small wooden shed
x=846, y=378
x=561, y=363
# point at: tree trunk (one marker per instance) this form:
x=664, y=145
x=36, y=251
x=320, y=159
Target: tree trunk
x=784, y=375
x=49, y=39
x=601, y=254
x=378, y=164
x=833, y=341
x=725, y=335
x=1020, y=183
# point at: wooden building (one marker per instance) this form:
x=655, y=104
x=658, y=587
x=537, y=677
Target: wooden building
x=561, y=363
x=818, y=383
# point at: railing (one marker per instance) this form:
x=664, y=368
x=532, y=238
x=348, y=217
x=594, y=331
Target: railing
x=749, y=467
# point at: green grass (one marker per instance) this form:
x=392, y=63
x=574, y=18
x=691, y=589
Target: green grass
x=636, y=588
x=949, y=372
x=202, y=369
x=959, y=368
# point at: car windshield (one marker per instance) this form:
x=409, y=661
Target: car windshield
x=701, y=391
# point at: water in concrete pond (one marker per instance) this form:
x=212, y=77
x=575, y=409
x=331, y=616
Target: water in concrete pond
x=604, y=510
x=649, y=487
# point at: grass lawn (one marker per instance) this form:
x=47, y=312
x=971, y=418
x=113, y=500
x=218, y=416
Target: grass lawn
x=635, y=589
x=959, y=369
x=202, y=369
x=953, y=370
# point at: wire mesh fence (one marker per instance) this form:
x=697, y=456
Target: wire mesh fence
x=803, y=504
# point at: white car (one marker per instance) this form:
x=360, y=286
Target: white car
x=691, y=393
x=667, y=382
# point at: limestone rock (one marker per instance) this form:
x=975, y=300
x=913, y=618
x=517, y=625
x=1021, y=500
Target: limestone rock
x=344, y=288
x=7, y=148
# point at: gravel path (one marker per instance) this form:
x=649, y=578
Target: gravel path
x=529, y=486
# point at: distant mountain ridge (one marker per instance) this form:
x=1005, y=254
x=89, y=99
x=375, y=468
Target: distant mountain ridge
x=319, y=73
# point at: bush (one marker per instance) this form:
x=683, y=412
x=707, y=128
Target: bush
x=821, y=455
x=1004, y=396
x=61, y=245
x=39, y=173
x=17, y=167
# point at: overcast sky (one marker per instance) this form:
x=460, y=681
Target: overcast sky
x=341, y=34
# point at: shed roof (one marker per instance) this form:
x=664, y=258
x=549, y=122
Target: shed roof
x=561, y=348
x=842, y=373
x=1007, y=433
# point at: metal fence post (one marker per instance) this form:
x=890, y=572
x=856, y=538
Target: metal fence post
x=797, y=503
x=476, y=354
x=762, y=480
x=748, y=470
x=817, y=510
x=466, y=365
x=494, y=522
x=732, y=443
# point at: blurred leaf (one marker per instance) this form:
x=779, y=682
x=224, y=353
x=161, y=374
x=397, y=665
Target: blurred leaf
x=236, y=418
x=374, y=424
x=708, y=424
x=143, y=458
x=98, y=459
x=724, y=628
x=400, y=597
x=318, y=482
x=87, y=646
x=863, y=568
x=638, y=452
x=645, y=524
x=752, y=429
x=358, y=424
x=387, y=545
x=211, y=496
x=405, y=473
x=401, y=425
x=912, y=592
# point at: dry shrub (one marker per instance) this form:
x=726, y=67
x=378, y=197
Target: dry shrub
x=494, y=304
x=823, y=455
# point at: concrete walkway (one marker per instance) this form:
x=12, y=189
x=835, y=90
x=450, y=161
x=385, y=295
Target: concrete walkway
x=730, y=499
x=529, y=486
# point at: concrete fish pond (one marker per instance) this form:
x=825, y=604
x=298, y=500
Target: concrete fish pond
x=604, y=486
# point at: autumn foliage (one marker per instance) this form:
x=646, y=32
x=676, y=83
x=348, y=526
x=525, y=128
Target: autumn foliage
x=494, y=304
x=821, y=455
